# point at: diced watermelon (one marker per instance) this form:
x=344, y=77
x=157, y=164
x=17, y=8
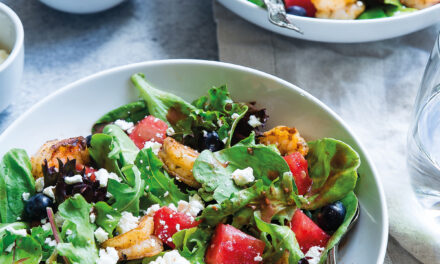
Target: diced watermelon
x=89, y=171
x=149, y=129
x=307, y=233
x=231, y=246
x=298, y=166
x=168, y=221
x=306, y=4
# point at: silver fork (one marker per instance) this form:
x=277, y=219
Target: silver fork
x=277, y=15
x=331, y=258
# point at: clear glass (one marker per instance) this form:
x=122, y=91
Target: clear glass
x=423, y=156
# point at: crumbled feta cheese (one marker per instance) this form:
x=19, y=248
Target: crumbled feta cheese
x=172, y=207
x=25, y=196
x=205, y=133
x=253, y=121
x=18, y=232
x=18, y=218
x=258, y=258
x=191, y=208
x=92, y=218
x=109, y=217
x=170, y=131
x=101, y=235
x=9, y=248
x=235, y=116
x=219, y=123
x=178, y=227
x=39, y=184
x=127, y=222
x=68, y=232
x=108, y=256
x=243, y=177
x=59, y=220
x=46, y=226
x=313, y=255
x=44, y=220
x=166, y=194
x=108, y=195
x=155, y=147
x=124, y=125
x=171, y=257
x=49, y=192
x=74, y=179
x=50, y=242
x=152, y=209
x=102, y=175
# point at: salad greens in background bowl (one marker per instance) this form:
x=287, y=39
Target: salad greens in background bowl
x=179, y=153
x=336, y=21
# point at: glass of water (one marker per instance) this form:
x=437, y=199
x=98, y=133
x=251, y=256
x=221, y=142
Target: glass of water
x=423, y=156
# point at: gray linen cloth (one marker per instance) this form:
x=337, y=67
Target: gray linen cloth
x=372, y=86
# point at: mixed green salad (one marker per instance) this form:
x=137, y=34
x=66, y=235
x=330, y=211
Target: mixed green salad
x=162, y=180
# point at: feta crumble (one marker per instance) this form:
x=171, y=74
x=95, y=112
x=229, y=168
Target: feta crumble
x=102, y=175
x=127, y=222
x=258, y=258
x=101, y=235
x=191, y=208
x=74, y=179
x=235, y=116
x=108, y=256
x=152, y=209
x=171, y=257
x=124, y=125
x=254, y=121
x=39, y=184
x=25, y=196
x=155, y=146
x=49, y=192
x=313, y=255
x=18, y=232
x=46, y=226
x=50, y=242
x=68, y=232
x=170, y=131
x=92, y=218
x=243, y=177
x=109, y=217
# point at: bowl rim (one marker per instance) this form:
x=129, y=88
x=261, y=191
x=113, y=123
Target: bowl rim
x=305, y=94
x=419, y=12
x=19, y=35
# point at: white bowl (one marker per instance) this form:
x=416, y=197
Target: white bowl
x=77, y=106
x=11, y=39
x=340, y=31
x=82, y=6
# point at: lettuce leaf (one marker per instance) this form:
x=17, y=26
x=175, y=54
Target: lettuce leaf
x=15, y=179
x=26, y=249
x=332, y=167
x=278, y=239
x=123, y=148
x=40, y=235
x=131, y=112
x=192, y=243
x=79, y=247
x=108, y=224
x=100, y=147
x=213, y=170
x=160, y=186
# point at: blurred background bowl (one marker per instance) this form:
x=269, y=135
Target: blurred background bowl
x=11, y=39
x=81, y=6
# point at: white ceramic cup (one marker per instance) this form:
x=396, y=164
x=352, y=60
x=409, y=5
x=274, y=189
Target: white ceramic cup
x=11, y=39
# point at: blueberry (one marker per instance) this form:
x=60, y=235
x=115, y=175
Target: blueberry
x=296, y=10
x=36, y=206
x=331, y=216
x=88, y=140
x=303, y=261
x=211, y=141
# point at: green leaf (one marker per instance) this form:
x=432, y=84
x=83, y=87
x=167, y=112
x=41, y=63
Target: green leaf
x=123, y=148
x=15, y=179
x=332, y=167
x=108, y=224
x=131, y=112
x=375, y=12
x=213, y=170
x=258, y=2
x=15, y=225
x=350, y=203
x=160, y=185
x=192, y=243
x=100, y=147
x=27, y=250
x=79, y=247
x=40, y=235
x=278, y=239
x=126, y=196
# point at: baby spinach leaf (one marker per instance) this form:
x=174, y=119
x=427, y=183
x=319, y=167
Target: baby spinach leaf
x=15, y=225
x=126, y=196
x=102, y=220
x=278, y=239
x=100, y=147
x=40, y=235
x=332, y=167
x=192, y=243
x=79, y=247
x=350, y=203
x=131, y=112
x=123, y=148
x=25, y=250
x=213, y=170
x=159, y=184
x=15, y=179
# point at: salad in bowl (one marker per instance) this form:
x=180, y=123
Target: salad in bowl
x=163, y=180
